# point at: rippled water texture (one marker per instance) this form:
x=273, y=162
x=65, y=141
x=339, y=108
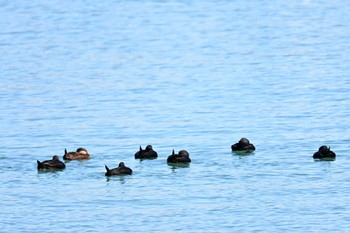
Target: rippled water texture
x=196, y=75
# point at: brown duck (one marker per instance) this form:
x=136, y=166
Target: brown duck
x=147, y=153
x=54, y=163
x=120, y=170
x=80, y=154
x=243, y=146
x=182, y=157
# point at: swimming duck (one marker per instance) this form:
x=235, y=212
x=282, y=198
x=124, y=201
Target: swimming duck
x=324, y=152
x=182, y=157
x=243, y=146
x=147, y=153
x=55, y=163
x=80, y=154
x=120, y=170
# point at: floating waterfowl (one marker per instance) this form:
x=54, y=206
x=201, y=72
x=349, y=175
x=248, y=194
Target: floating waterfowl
x=80, y=154
x=147, y=153
x=182, y=157
x=54, y=163
x=120, y=170
x=243, y=146
x=324, y=152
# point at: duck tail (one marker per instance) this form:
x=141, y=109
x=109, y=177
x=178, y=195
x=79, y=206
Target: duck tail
x=140, y=148
x=173, y=152
x=66, y=155
x=40, y=165
x=108, y=171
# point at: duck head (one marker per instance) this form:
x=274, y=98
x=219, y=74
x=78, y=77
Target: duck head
x=148, y=148
x=184, y=153
x=324, y=149
x=244, y=142
x=82, y=151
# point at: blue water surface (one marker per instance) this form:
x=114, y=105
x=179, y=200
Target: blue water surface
x=196, y=75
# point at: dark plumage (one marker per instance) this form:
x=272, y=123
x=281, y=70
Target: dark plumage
x=182, y=157
x=147, y=153
x=55, y=163
x=80, y=154
x=243, y=145
x=324, y=152
x=120, y=170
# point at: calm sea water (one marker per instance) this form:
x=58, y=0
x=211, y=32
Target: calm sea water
x=196, y=75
